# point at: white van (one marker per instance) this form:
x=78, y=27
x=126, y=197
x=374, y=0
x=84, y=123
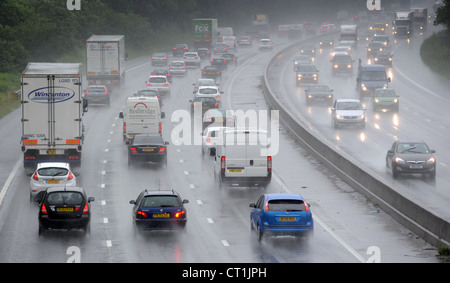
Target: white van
x=142, y=115
x=242, y=159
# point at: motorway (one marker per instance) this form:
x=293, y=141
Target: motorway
x=347, y=227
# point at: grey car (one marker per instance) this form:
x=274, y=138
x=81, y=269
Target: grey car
x=159, y=58
x=411, y=156
x=307, y=74
x=177, y=68
x=319, y=94
x=191, y=59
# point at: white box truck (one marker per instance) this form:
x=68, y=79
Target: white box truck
x=142, y=115
x=52, y=110
x=242, y=159
x=105, y=60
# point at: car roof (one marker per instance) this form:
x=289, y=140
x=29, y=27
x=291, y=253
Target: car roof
x=53, y=164
x=64, y=188
x=373, y=67
x=283, y=196
x=160, y=192
x=348, y=100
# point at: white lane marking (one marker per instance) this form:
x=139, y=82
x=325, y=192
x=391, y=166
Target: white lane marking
x=199, y=202
x=105, y=220
x=225, y=243
x=108, y=243
x=322, y=223
x=9, y=180
x=210, y=221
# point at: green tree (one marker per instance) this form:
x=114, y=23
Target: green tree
x=443, y=14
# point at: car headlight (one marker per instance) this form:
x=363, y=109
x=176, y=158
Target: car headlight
x=395, y=100
x=431, y=160
x=361, y=116
x=376, y=59
x=363, y=87
x=399, y=160
x=349, y=66
x=377, y=100
x=339, y=116
x=336, y=66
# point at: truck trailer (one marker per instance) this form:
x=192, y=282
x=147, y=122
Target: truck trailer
x=105, y=60
x=52, y=110
x=205, y=32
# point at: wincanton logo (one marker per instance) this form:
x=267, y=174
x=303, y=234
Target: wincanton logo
x=60, y=94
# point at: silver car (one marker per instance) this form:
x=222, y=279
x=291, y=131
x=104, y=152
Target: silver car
x=177, y=68
x=191, y=59
x=160, y=83
x=51, y=174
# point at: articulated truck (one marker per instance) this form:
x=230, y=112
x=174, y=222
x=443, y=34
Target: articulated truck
x=205, y=32
x=105, y=55
x=52, y=110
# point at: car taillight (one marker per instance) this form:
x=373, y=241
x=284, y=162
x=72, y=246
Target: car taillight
x=204, y=73
x=87, y=91
x=133, y=149
x=166, y=84
x=35, y=177
x=160, y=127
x=218, y=73
x=162, y=149
x=208, y=140
x=184, y=57
x=178, y=214
x=222, y=163
x=124, y=127
x=269, y=163
x=216, y=105
x=43, y=209
x=142, y=214
x=149, y=84
x=306, y=206
x=70, y=177
x=266, y=206
x=86, y=209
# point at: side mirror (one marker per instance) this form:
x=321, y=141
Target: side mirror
x=38, y=199
x=132, y=202
x=212, y=151
x=121, y=115
x=185, y=201
x=252, y=205
x=163, y=115
x=91, y=199
x=166, y=143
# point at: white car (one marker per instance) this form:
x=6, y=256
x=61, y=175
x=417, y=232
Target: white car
x=209, y=90
x=192, y=59
x=160, y=83
x=265, y=43
x=51, y=174
x=204, y=82
x=348, y=112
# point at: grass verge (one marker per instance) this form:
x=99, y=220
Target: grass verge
x=435, y=53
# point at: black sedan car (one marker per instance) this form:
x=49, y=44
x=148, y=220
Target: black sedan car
x=159, y=210
x=211, y=72
x=64, y=208
x=147, y=148
x=203, y=102
x=319, y=94
x=411, y=156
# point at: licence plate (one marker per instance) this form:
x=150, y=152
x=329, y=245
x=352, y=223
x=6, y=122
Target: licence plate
x=53, y=181
x=51, y=151
x=161, y=215
x=211, y=73
x=148, y=149
x=65, y=209
x=415, y=166
x=286, y=218
x=235, y=170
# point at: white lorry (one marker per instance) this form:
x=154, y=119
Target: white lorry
x=105, y=60
x=349, y=33
x=142, y=115
x=242, y=158
x=52, y=110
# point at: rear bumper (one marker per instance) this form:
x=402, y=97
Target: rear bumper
x=158, y=224
x=78, y=223
x=246, y=181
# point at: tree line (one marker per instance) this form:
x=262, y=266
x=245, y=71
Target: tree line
x=46, y=31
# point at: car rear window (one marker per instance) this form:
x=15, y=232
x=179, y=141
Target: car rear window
x=52, y=171
x=157, y=80
x=286, y=205
x=207, y=91
x=65, y=198
x=96, y=89
x=160, y=201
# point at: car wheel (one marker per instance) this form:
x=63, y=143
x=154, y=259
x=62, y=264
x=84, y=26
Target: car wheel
x=432, y=174
x=87, y=229
x=395, y=173
x=259, y=233
x=41, y=230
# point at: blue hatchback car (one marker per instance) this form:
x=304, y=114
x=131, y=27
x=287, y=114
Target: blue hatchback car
x=159, y=210
x=281, y=214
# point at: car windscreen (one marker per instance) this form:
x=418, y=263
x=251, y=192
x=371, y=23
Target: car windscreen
x=412, y=148
x=286, y=205
x=348, y=106
x=156, y=139
x=385, y=92
x=373, y=75
x=160, y=201
x=157, y=80
x=64, y=198
x=307, y=69
x=320, y=88
x=52, y=171
x=207, y=90
x=148, y=93
x=342, y=59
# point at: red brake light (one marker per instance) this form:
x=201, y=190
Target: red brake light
x=43, y=209
x=35, y=177
x=222, y=163
x=216, y=105
x=133, y=149
x=306, y=206
x=141, y=213
x=162, y=149
x=266, y=206
x=159, y=127
x=269, y=163
x=86, y=209
x=178, y=214
x=70, y=177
